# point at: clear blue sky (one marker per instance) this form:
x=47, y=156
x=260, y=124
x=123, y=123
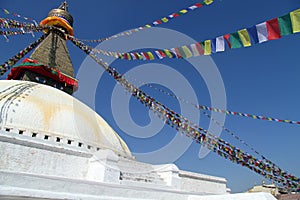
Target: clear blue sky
x=263, y=79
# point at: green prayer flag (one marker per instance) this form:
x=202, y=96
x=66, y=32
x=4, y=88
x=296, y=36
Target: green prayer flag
x=285, y=25
x=235, y=40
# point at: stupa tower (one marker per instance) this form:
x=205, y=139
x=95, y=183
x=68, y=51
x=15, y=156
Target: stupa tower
x=50, y=63
x=54, y=147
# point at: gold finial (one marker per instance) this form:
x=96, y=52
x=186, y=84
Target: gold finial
x=64, y=6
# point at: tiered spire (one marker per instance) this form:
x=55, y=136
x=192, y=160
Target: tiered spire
x=50, y=63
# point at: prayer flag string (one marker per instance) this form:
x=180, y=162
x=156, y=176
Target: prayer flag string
x=7, y=12
x=203, y=112
x=210, y=117
x=203, y=107
x=9, y=23
x=12, y=61
x=269, y=30
x=20, y=32
x=198, y=134
x=217, y=110
x=163, y=20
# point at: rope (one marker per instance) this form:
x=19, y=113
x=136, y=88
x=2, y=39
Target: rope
x=210, y=117
x=269, y=30
x=12, y=61
x=200, y=135
x=158, y=22
x=7, y=12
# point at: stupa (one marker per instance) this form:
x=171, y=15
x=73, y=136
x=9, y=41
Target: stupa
x=55, y=147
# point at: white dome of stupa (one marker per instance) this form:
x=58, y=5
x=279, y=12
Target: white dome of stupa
x=44, y=110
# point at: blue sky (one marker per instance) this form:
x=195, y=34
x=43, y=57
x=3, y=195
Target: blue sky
x=263, y=79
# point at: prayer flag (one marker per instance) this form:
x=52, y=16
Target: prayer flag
x=170, y=16
x=185, y=52
x=6, y=11
x=235, y=40
x=157, y=22
x=151, y=57
x=194, y=50
x=200, y=48
x=193, y=7
x=220, y=44
x=175, y=15
x=207, y=47
x=183, y=11
x=145, y=56
x=198, y=5
x=129, y=56
x=162, y=53
x=273, y=29
x=253, y=34
x=138, y=56
x=174, y=52
x=120, y=56
x=133, y=56
x=178, y=53
x=164, y=19
x=213, y=45
x=245, y=37
x=262, y=32
x=295, y=18
x=207, y=2
x=226, y=37
x=158, y=55
x=285, y=25
x=168, y=53
x=125, y=56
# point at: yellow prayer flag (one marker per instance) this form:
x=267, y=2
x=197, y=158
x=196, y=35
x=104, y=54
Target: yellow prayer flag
x=183, y=11
x=139, y=56
x=167, y=52
x=207, y=2
x=295, y=18
x=187, y=52
x=245, y=37
x=164, y=19
x=207, y=47
x=151, y=57
x=147, y=26
x=128, y=56
x=6, y=11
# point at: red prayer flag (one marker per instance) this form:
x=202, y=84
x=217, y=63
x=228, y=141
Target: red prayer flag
x=226, y=37
x=178, y=52
x=125, y=56
x=175, y=15
x=158, y=21
x=273, y=29
x=162, y=53
x=199, y=48
x=146, y=56
x=198, y=5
